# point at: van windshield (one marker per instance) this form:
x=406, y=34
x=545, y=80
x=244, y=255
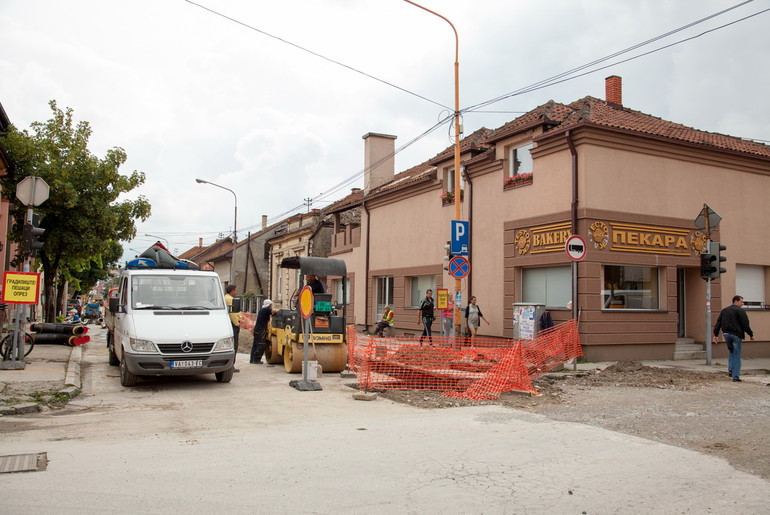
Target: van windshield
x=175, y=291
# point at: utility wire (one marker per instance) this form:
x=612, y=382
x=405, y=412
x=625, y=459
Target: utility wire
x=556, y=79
x=316, y=54
x=570, y=74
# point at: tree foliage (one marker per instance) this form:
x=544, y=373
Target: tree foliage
x=84, y=217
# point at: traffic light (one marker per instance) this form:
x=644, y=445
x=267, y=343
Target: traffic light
x=31, y=235
x=716, y=249
x=448, y=255
x=710, y=260
x=26, y=239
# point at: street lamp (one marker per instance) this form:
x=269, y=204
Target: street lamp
x=235, y=225
x=458, y=197
x=153, y=236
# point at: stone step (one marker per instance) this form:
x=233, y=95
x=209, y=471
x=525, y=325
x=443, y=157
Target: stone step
x=686, y=348
x=694, y=354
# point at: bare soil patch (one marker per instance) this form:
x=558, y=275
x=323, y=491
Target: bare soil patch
x=702, y=411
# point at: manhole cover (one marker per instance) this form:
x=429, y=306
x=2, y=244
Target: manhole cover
x=23, y=463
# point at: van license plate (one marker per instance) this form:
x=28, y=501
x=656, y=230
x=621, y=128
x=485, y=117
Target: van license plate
x=189, y=363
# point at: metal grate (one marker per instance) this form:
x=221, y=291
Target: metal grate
x=176, y=348
x=23, y=463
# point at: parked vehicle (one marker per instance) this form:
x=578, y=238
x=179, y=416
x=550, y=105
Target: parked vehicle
x=92, y=313
x=328, y=346
x=169, y=318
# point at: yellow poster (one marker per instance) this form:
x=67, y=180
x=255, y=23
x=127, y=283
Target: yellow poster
x=441, y=298
x=21, y=287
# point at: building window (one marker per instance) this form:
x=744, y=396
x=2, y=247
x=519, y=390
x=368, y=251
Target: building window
x=520, y=160
x=551, y=286
x=449, y=183
x=417, y=287
x=338, y=291
x=750, y=284
x=384, y=292
x=630, y=287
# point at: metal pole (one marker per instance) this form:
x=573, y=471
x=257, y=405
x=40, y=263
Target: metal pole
x=458, y=196
x=708, y=288
x=574, y=301
x=235, y=225
x=708, y=321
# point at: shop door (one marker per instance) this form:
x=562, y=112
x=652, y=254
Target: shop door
x=680, y=304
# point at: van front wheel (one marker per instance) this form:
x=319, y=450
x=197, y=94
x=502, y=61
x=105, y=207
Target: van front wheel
x=226, y=376
x=126, y=377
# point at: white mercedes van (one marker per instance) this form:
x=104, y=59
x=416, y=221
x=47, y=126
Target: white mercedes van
x=169, y=321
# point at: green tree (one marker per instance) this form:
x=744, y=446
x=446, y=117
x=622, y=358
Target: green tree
x=84, y=217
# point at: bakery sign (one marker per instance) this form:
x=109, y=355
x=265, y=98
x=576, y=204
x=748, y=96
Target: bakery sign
x=649, y=239
x=613, y=237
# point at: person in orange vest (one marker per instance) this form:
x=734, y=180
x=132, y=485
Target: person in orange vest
x=387, y=321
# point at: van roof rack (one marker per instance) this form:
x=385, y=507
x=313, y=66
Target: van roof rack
x=157, y=256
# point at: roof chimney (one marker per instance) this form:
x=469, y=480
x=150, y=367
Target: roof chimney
x=379, y=160
x=613, y=90
x=264, y=222
x=200, y=242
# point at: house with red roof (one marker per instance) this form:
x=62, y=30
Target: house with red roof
x=631, y=185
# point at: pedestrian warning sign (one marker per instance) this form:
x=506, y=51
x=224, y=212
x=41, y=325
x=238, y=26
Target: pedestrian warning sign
x=21, y=287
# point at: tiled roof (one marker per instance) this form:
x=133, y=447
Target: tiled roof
x=592, y=111
x=599, y=112
x=475, y=142
x=555, y=117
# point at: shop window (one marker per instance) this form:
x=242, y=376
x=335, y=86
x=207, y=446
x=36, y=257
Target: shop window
x=520, y=160
x=750, y=284
x=417, y=287
x=630, y=287
x=551, y=286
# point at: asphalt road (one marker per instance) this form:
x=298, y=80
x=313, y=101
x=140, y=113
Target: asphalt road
x=259, y=445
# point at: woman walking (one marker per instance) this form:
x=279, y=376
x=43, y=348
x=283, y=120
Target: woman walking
x=473, y=317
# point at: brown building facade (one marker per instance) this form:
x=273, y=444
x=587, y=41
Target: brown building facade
x=630, y=184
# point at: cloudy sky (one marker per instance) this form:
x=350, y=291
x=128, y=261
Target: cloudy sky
x=272, y=101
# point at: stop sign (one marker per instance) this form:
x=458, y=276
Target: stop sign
x=32, y=191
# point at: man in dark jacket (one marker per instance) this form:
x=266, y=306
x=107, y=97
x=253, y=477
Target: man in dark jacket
x=426, y=314
x=734, y=323
x=261, y=332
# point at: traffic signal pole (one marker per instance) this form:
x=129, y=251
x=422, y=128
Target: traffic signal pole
x=708, y=292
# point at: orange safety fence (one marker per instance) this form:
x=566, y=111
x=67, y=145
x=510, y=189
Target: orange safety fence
x=474, y=369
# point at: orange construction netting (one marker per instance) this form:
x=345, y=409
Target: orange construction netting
x=474, y=369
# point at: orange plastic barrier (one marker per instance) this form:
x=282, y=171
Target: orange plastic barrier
x=460, y=367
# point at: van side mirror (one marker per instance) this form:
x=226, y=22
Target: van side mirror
x=115, y=306
x=236, y=305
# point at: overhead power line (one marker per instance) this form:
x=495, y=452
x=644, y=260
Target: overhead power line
x=316, y=54
x=565, y=76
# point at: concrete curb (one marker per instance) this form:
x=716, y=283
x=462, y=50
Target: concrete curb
x=72, y=380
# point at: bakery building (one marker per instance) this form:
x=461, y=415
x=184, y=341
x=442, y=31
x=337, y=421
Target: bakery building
x=630, y=184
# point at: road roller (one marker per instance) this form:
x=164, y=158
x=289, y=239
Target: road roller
x=327, y=340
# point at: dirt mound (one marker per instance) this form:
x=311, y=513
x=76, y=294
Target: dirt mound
x=637, y=375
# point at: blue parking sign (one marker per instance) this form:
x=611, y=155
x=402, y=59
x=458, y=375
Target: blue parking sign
x=458, y=245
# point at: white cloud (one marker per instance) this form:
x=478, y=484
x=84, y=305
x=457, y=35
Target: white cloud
x=190, y=94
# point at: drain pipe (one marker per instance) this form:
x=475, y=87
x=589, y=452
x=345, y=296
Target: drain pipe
x=573, y=214
x=366, y=268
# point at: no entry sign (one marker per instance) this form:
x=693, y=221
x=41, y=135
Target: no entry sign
x=575, y=247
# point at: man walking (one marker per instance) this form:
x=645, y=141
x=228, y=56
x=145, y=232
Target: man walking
x=427, y=315
x=734, y=323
